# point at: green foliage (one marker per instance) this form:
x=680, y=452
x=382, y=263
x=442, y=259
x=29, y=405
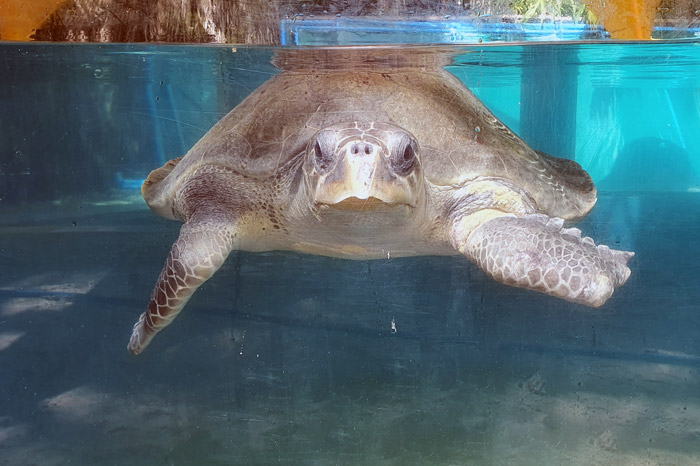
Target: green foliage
x=557, y=8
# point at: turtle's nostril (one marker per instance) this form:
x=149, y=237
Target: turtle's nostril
x=361, y=147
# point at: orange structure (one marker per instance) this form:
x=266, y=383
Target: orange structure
x=625, y=19
x=19, y=18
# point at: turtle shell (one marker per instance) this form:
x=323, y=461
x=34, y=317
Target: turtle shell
x=460, y=139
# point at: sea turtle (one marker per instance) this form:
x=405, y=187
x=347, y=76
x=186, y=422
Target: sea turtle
x=366, y=154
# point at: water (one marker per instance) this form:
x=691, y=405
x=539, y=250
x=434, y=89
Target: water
x=291, y=359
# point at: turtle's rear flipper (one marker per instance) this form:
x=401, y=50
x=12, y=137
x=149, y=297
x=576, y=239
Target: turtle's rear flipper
x=537, y=253
x=200, y=250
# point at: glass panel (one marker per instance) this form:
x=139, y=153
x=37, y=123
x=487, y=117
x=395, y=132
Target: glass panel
x=301, y=359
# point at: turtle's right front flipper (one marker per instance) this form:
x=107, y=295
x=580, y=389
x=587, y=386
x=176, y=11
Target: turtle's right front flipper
x=202, y=247
x=537, y=253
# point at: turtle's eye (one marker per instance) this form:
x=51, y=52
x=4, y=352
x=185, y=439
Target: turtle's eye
x=408, y=153
x=324, y=151
x=403, y=157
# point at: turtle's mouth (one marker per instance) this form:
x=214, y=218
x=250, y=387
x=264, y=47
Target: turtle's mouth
x=371, y=204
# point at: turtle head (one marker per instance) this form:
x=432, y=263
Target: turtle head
x=358, y=166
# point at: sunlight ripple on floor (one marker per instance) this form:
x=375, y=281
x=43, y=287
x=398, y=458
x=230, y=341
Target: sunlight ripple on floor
x=64, y=286
x=8, y=338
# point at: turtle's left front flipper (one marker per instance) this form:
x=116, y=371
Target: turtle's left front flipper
x=202, y=247
x=537, y=253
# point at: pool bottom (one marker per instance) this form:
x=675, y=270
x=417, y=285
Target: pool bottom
x=291, y=359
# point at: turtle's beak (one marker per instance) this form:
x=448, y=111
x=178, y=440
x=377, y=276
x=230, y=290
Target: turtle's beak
x=360, y=167
x=357, y=191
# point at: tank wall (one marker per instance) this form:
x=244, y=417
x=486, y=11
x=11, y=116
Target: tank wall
x=85, y=121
